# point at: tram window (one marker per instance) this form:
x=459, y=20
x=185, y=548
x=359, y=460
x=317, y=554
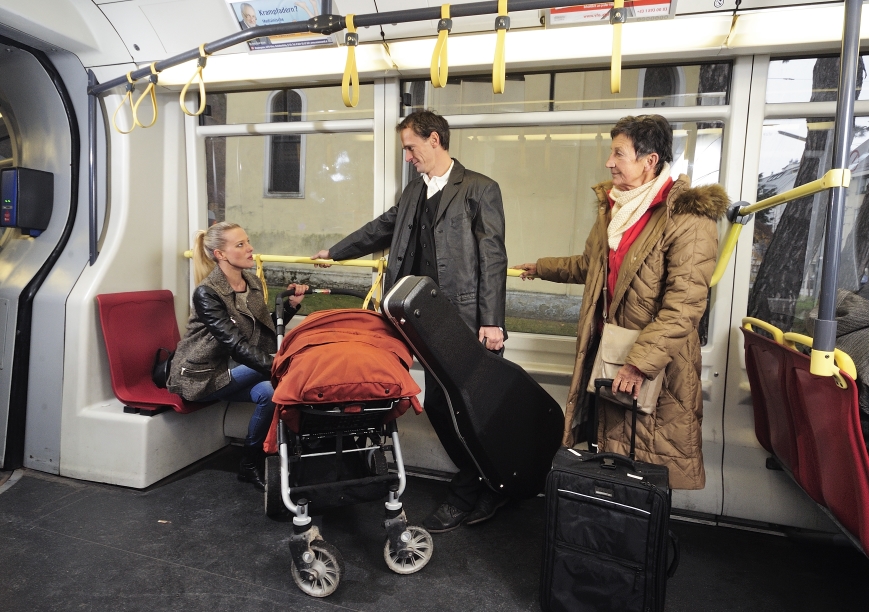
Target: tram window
x=545, y=175
x=322, y=104
x=808, y=79
x=788, y=239
x=689, y=85
x=285, y=152
x=338, y=199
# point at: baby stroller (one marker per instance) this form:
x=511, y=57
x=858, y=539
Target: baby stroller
x=341, y=380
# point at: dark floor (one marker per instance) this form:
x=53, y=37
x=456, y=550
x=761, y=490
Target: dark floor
x=200, y=541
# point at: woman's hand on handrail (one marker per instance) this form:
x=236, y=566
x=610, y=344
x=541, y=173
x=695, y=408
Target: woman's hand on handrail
x=529, y=271
x=322, y=254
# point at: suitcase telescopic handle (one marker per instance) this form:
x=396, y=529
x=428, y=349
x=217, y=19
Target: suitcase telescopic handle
x=608, y=382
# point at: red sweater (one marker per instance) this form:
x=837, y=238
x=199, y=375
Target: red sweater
x=617, y=256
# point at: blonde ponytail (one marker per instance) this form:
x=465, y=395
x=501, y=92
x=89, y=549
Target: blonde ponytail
x=204, y=244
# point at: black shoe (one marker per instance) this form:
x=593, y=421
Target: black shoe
x=445, y=518
x=249, y=472
x=487, y=506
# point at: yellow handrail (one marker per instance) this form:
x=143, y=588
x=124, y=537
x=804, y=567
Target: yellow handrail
x=499, y=66
x=439, y=66
x=775, y=332
x=840, y=361
x=374, y=264
x=617, y=19
x=833, y=178
x=350, y=80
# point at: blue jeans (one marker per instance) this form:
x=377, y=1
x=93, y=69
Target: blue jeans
x=248, y=385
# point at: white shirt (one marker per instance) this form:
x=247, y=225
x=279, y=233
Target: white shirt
x=437, y=183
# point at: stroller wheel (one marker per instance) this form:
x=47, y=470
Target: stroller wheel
x=415, y=556
x=322, y=578
x=378, y=464
x=273, y=500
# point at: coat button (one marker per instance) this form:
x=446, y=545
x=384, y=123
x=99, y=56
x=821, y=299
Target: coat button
x=423, y=227
x=399, y=258
x=410, y=226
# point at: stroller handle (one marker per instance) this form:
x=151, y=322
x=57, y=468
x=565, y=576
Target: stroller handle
x=281, y=298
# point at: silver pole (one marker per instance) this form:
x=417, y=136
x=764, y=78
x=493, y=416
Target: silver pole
x=825, y=327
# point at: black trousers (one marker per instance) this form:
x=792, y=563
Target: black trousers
x=465, y=487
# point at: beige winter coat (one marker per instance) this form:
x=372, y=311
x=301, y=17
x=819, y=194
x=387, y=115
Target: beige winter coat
x=661, y=289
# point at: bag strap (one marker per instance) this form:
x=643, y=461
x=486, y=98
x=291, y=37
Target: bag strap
x=605, y=289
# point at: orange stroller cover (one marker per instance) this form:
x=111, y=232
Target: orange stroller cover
x=340, y=356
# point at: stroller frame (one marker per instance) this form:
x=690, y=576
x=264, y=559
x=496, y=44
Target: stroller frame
x=318, y=566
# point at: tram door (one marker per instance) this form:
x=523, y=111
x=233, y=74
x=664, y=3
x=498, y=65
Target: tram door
x=40, y=159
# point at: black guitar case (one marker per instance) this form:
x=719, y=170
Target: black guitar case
x=509, y=424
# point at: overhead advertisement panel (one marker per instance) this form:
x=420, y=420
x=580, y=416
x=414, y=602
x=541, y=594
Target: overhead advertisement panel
x=589, y=14
x=255, y=13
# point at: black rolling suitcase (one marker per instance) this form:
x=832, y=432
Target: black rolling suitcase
x=607, y=533
x=510, y=425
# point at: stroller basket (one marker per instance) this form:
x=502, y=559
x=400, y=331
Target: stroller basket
x=354, y=419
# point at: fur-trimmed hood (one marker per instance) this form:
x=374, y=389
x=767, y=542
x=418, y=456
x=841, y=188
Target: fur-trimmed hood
x=704, y=201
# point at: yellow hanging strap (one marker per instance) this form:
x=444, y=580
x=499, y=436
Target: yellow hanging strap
x=376, y=287
x=261, y=275
x=351, y=76
x=618, y=16
x=150, y=89
x=131, y=87
x=203, y=57
x=439, y=67
x=499, y=67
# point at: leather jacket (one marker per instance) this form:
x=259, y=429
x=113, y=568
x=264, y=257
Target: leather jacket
x=469, y=243
x=217, y=331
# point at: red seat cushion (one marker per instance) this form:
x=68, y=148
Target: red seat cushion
x=135, y=324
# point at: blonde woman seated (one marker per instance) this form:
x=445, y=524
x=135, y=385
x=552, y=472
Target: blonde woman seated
x=651, y=254
x=226, y=353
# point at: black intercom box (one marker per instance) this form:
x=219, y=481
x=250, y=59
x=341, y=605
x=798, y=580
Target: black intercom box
x=26, y=199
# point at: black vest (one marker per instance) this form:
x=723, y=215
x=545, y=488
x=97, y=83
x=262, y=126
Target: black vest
x=421, y=258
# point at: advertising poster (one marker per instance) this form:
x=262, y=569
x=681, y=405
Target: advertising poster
x=637, y=10
x=255, y=13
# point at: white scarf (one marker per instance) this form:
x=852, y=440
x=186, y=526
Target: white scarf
x=629, y=206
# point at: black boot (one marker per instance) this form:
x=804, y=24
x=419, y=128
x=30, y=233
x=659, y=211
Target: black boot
x=248, y=470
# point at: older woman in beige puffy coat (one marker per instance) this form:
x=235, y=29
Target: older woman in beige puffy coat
x=658, y=239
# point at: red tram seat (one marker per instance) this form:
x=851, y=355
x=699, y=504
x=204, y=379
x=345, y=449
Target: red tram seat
x=766, y=365
x=834, y=426
x=765, y=374
x=812, y=425
x=135, y=325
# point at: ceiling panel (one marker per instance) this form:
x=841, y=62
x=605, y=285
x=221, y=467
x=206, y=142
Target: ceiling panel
x=75, y=25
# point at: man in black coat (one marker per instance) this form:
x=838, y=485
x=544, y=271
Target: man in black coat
x=448, y=225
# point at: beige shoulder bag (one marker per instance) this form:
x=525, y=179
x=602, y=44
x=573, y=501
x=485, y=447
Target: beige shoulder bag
x=615, y=345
